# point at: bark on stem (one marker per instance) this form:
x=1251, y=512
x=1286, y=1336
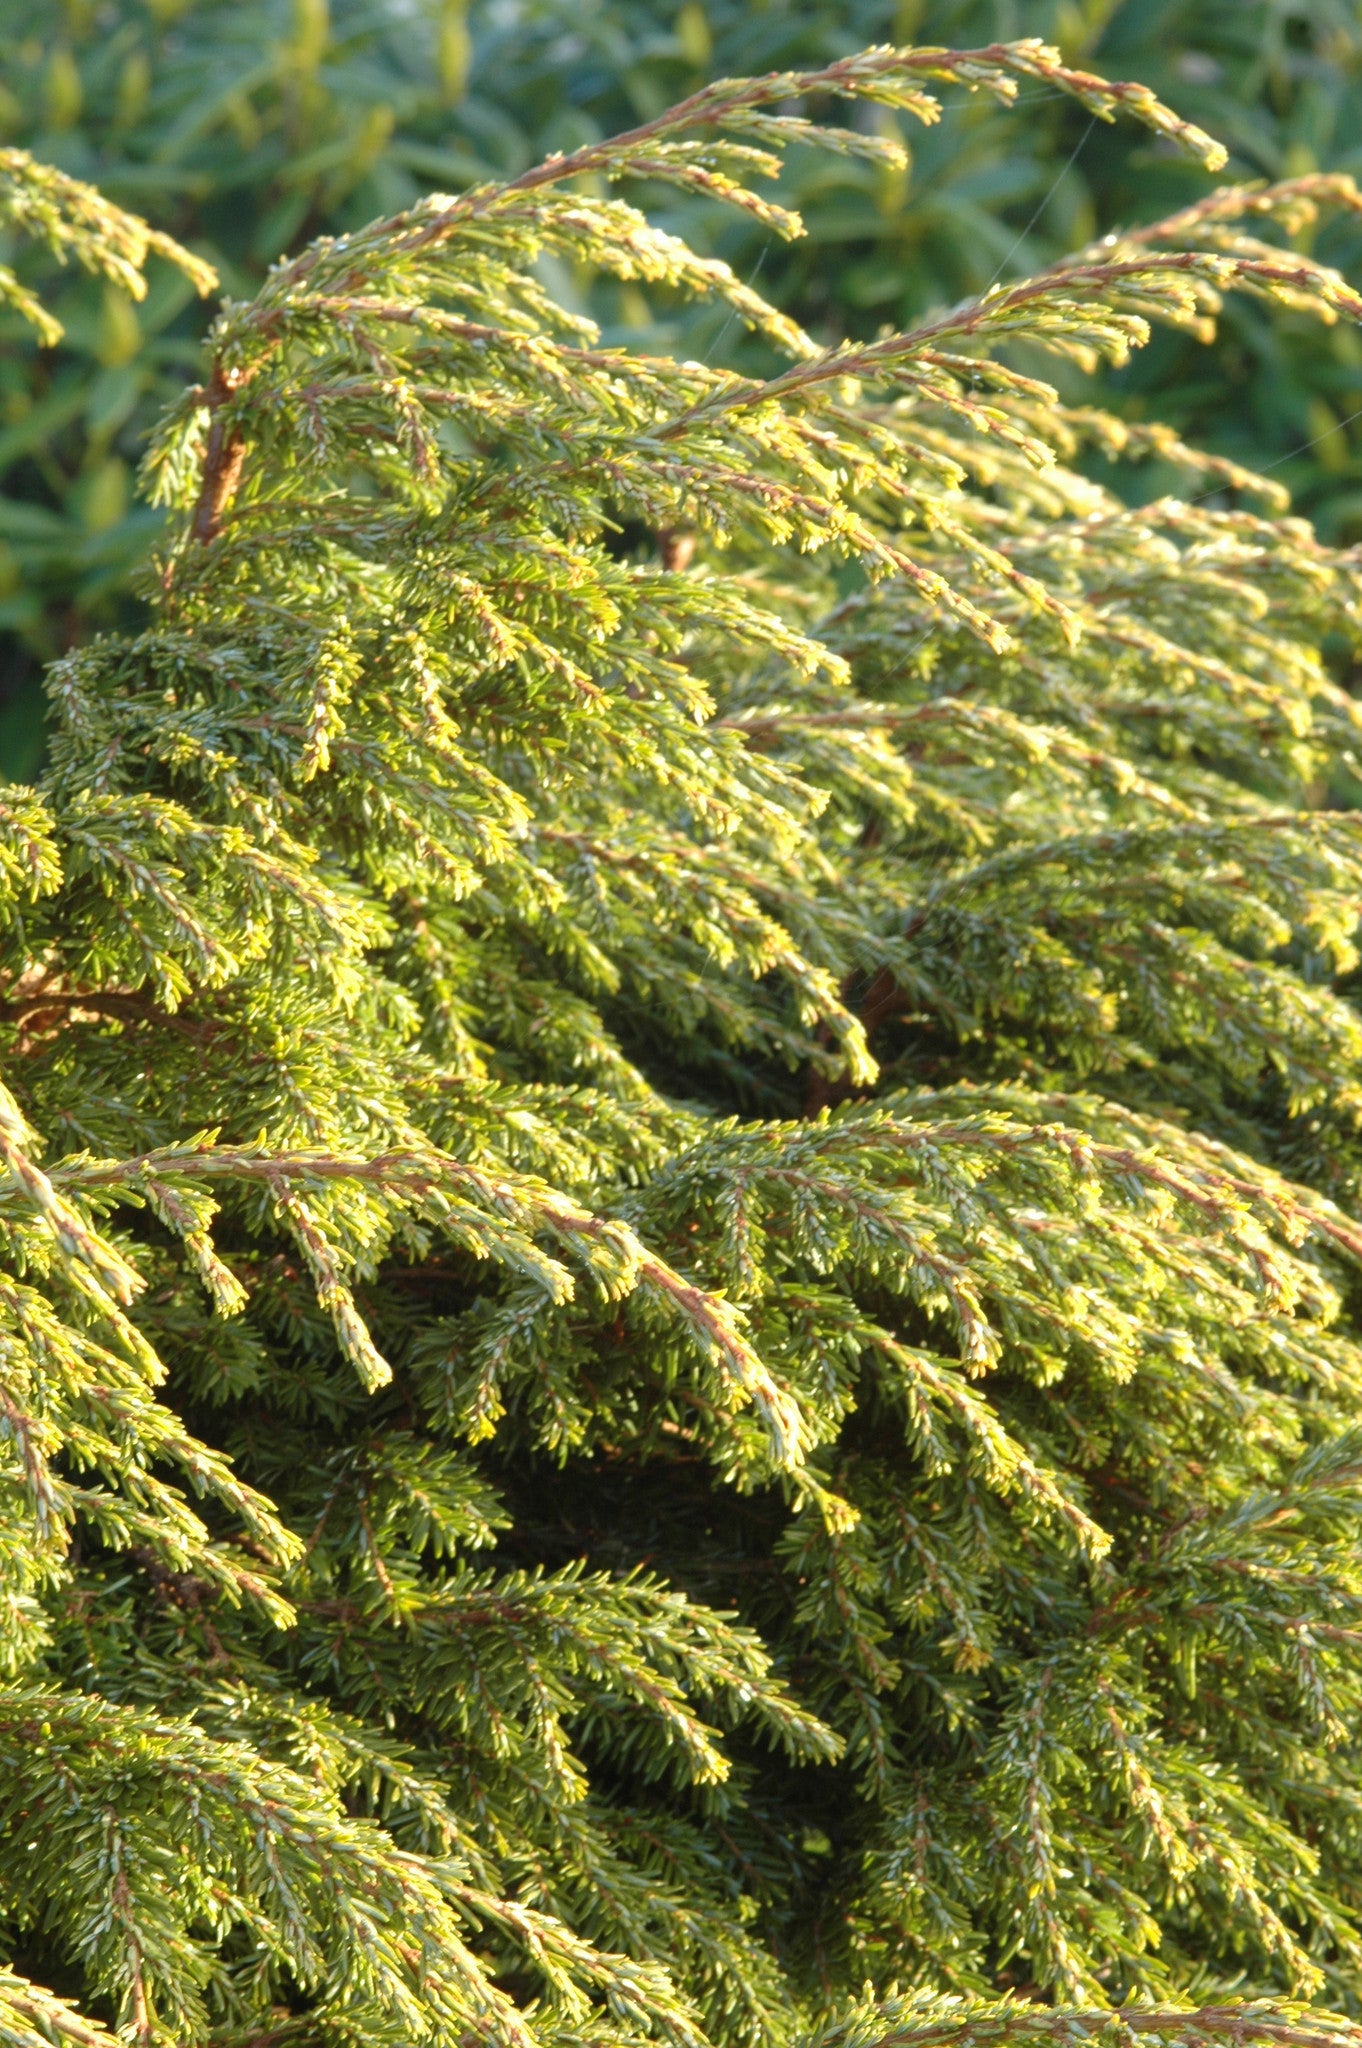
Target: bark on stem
x=223, y=457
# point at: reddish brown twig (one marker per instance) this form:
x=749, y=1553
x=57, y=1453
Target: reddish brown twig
x=223, y=457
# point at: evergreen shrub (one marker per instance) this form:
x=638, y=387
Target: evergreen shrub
x=244, y=127
x=679, y=1350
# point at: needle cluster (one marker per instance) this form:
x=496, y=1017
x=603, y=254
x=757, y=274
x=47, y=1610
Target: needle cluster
x=678, y=1336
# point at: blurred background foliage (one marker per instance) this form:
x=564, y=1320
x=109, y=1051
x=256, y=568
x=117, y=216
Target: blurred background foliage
x=247, y=126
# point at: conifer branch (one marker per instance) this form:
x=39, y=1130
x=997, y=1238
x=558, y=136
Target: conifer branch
x=412, y=968
x=1241, y=2022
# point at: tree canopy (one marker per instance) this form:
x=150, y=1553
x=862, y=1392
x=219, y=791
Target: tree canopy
x=244, y=127
x=679, y=1315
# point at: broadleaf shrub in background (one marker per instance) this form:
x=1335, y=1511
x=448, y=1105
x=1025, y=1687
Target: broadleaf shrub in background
x=246, y=126
x=679, y=1347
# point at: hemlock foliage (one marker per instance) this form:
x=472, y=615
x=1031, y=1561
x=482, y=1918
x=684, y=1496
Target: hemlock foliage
x=679, y=1313
x=244, y=127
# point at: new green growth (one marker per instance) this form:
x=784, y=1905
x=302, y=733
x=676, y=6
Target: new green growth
x=679, y=1348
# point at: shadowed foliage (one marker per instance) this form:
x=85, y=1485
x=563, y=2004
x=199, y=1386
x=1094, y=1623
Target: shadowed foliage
x=678, y=1337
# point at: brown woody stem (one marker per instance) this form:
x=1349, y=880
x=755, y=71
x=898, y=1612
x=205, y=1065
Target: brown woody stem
x=223, y=457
